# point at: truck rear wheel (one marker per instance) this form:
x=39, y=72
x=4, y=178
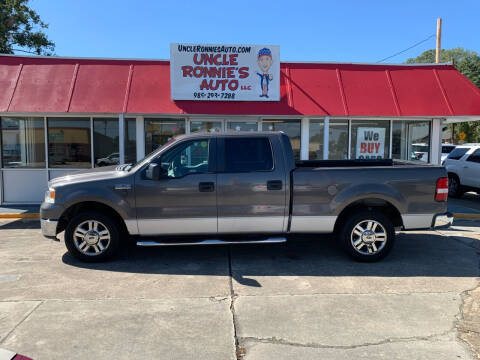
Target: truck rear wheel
x=92, y=237
x=367, y=236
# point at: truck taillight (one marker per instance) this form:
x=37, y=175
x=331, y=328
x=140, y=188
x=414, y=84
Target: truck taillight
x=441, y=192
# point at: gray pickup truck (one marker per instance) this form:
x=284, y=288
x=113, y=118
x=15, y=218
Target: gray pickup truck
x=242, y=188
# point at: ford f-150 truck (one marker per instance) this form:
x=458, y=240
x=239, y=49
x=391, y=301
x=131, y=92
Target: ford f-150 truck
x=242, y=188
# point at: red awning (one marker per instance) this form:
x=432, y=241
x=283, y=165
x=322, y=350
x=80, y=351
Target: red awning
x=62, y=85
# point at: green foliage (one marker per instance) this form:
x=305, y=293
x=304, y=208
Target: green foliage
x=468, y=63
x=21, y=28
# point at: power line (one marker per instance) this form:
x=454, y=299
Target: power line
x=25, y=51
x=411, y=47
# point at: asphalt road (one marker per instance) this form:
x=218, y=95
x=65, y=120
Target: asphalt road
x=302, y=301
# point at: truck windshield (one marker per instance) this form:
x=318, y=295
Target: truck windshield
x=457, y=153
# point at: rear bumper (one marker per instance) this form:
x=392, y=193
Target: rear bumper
x=442, y=221
x=49, y=228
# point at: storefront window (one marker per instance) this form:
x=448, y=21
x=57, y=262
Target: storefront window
x=205, y=126
x=315, y=146
x=130, y=140
x=290, y=128
x=370, y=139
x=411, y=140
x=23, y=142
x=69, y=143
x=338, y=140
x=242, y=125
x=105, y=141
x=159, y=131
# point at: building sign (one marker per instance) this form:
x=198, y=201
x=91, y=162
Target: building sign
x=370, y=143
x=225, y=72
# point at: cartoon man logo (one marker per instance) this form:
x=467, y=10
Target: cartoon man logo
x=264, y=63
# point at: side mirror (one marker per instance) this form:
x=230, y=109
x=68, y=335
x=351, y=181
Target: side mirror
x=156, y=172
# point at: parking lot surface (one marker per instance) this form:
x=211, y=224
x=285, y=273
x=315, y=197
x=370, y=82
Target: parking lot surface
x=304, y=300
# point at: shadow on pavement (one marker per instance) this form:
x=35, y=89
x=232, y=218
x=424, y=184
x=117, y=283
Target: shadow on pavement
x=426, y=254
x=19, y=224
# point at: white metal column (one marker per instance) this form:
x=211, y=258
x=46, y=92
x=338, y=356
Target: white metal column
x=326, y=136
x=304, y=138
x=436, y=143
x=390, y=150
x=92, y=149
x=121, y=138
x=140, y=133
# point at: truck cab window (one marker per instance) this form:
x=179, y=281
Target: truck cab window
x=187, y=158
x=248, y=154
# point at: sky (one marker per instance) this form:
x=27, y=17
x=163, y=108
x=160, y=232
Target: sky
x=336, y=31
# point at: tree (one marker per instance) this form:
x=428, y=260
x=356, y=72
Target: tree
x=468, y=63
x=21, y=28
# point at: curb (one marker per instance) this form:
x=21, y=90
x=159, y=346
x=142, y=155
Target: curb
x=466, y=216
x=19, y=216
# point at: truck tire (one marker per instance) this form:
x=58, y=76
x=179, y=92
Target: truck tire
x=92, y=237
x=367, y=236
x=455, y=189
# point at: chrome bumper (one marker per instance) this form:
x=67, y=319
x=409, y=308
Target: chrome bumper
x=49, y=227
x=442, y=221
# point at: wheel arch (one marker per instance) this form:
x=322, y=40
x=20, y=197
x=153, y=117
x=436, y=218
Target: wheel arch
x=371, y=204
x=84, y=206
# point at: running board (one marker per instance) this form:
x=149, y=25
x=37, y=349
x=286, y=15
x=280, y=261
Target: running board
x=273, y=240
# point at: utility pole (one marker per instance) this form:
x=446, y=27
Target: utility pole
x=439, y=40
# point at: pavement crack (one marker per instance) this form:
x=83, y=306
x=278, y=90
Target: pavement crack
x=278, y=341
x=20, y=322
x=239, y=350
x=463, y=317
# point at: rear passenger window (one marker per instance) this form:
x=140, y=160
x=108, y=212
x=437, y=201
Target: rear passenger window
x=248, y=154
x=457, y=153
x=475, y=157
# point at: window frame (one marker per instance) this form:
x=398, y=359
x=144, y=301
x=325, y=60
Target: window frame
x=90, y=141
x=45, y=145
x=222, y=158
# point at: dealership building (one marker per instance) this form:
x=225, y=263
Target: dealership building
x=64, y=114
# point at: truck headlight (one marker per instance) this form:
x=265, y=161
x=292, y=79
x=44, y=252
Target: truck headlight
x=50, y=196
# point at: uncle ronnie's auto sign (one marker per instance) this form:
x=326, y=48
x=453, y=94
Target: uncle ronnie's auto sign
x=225, y=72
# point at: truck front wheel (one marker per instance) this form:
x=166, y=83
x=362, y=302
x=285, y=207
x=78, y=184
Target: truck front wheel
x=92, y=237
x=367, y=236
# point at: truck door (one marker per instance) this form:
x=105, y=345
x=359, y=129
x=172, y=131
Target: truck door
x=251, y=185
x=184, y=201
x=471, y=170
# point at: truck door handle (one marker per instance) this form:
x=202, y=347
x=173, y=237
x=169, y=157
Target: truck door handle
x=206, y=186
x=274, y=185
x=465, y=167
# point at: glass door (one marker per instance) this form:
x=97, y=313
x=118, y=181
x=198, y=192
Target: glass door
x=206, y=126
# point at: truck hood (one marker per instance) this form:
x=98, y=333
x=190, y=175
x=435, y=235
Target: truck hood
x=102, y=173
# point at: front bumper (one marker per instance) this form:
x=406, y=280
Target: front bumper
x=442, y=221
x=49, y=228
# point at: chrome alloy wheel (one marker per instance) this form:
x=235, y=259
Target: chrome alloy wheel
x=91, y=237
x=368, y=237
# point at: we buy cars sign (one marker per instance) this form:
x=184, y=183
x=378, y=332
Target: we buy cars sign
x=370, y=143
x=225, y=72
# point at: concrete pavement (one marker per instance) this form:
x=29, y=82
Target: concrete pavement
x=306, y=300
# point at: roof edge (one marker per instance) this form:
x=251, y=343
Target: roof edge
x=168, y=60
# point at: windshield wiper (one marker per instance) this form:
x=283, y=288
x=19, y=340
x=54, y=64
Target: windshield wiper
x=123, y=167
